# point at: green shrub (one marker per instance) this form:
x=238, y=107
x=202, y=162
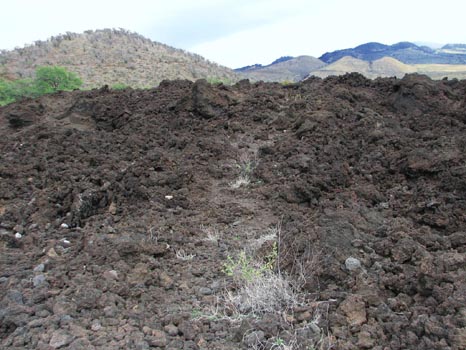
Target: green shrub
x=47, y=80
x=11, y=91
x=243, y=268
x=6, y=92
x=53, y=79
x=218, y=81
x=119, y=86
x=246, y=269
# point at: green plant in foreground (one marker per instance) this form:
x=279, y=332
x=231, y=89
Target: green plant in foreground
x=278, y=342
x=119, y=86
x=244, y=268
x=270, y=260
x=196, y=313
x=246, y=166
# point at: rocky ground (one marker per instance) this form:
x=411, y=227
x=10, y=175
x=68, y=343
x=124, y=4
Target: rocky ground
x=329, y=214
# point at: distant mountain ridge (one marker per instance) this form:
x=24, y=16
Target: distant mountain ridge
x=285, y=68
x=110, y=56
x=405, y=52
x=260, y=66
x=371, y=59
x=454, y=48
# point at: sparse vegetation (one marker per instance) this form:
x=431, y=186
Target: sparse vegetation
x=152, y=236
x=293, y=339
x=272, y=234
x=221, y=80
x=212, y=233
x=182, y=255
x=119, y=86
x=112, y=57
x=243, y=268
x=262, y=288
x=267, y=292
x=9, y=92
x=245, y=167
x=240, y=181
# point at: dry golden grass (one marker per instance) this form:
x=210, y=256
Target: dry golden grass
x=390, y=67
x=439, y=71
x=344, y=65
x=441, y=67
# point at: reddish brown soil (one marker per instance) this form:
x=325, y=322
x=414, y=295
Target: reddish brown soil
x=374, y=170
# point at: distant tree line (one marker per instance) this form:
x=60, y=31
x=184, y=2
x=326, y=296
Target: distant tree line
x=47, y=80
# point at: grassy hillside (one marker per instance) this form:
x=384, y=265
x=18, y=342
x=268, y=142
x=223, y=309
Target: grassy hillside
x=389, y=67
x=439, y=71
x=380, y=68
x=344, y=65
x=291, y=69
x=111, y=57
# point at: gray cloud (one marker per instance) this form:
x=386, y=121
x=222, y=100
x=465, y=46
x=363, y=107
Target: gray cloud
x=213, y=21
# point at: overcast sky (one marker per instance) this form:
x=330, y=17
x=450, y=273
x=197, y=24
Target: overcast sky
x=236, y=33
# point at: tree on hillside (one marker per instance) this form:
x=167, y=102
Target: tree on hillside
x=6, y=92
x=53, y=79
x=47, y=80
x=11, y=91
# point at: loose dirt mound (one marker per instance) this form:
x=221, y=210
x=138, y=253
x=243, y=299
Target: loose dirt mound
x=120, y=211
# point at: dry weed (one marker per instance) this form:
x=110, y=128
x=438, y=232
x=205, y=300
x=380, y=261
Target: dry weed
x=182, y=255
x=265, y=293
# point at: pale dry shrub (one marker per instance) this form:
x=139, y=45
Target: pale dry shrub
x=265, y=293
x=242, y=180
x=182, y=255
x=212, y=233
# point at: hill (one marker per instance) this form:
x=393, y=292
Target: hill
x=389, y=67
x=405, y=52
x=371, y=60
x=454, y=49
x=283, y=69
x=259, y=66
x=111, y=57
x=384, y=67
